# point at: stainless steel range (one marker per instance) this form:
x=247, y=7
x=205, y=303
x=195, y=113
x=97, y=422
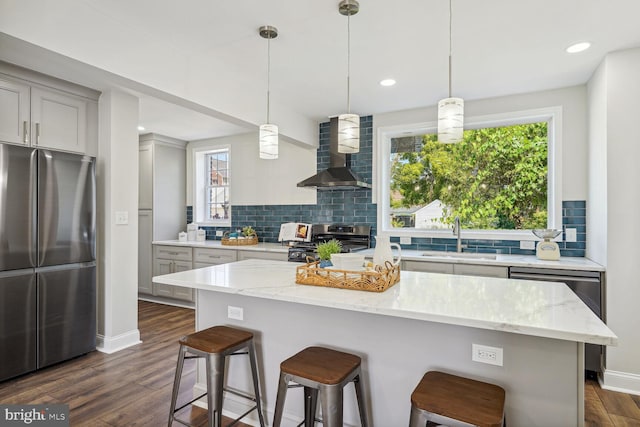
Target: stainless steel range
x=353, y=238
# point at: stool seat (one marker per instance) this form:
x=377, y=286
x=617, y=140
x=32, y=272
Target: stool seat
x=461, y=399
x=216, y=339
x=322, y=365
x=323, y=373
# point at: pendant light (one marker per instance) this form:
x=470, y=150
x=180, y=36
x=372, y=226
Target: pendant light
x=268, y=131
x=348, y=124
x=450, y=110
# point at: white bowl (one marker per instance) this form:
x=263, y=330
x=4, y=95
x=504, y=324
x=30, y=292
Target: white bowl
x=347, y=261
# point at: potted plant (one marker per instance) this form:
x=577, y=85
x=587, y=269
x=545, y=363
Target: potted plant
x=248, y=231
x=325, y=250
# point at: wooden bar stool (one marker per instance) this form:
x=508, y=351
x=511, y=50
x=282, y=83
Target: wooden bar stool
x=445, y=398
x=214, y=345
x=321, y=371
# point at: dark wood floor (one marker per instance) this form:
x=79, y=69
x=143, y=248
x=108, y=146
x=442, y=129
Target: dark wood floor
x=133, y=387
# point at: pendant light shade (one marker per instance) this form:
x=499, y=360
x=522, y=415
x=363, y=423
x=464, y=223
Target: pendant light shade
x=450, y=120
x=348, y=124
x=268, y=141
x=268, y=132
x=450, y=110
x=348, y=133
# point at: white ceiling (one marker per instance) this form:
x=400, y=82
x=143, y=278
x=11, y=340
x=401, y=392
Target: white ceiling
x=208, y=53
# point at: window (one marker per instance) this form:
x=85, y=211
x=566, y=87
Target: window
x=212, y=186
x=501, y=180
x=217, y=185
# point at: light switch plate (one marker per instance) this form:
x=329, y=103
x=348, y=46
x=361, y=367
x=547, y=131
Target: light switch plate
x=405, y=240
x=218, y=233
x=527, y=244
x=236, y=313
x=122, y=218
x=570, y=235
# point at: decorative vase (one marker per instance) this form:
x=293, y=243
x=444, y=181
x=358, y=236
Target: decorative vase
x=383, y=252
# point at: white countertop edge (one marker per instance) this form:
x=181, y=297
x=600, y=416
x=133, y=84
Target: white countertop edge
x=598, y=333
x=502, y=260
x=217, y=244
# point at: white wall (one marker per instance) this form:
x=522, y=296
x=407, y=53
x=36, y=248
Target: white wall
x=621, y=72
x=117, y=244
x=597, y=166
x=257, y=181
x=573, y=101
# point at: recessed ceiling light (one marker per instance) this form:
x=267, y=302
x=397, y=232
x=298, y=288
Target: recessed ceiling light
x=141, y=128
x=578, y=47
x=387, y=82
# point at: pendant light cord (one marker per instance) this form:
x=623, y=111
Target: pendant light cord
x=450, y=20
x=349, y=63
x=268, y=74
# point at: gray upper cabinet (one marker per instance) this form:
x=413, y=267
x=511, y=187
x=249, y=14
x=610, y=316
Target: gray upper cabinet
x=58, y=120
x=14, y=111
x=40, y=111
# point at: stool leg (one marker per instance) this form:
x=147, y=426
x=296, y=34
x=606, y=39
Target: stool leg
x=361, y=402
x=418, y=418
x=256, y=385
x=310, y=405
x=215, y=383
x=176, y=383
x=331, y=401
x=283, y=382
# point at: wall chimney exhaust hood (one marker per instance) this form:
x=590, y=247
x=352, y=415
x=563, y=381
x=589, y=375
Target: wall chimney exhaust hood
x=338, y=176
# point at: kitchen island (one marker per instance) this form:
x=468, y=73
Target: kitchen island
x=426, y=321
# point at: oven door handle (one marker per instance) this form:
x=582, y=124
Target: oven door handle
x=544, y=277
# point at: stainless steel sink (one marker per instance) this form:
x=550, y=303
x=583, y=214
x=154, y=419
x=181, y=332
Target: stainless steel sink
x=463, y=255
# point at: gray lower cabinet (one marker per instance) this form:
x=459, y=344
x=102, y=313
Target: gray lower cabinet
x=456, y=268
x=205, y=257
x=274, y=256
x=172, y=259
x=428, y=267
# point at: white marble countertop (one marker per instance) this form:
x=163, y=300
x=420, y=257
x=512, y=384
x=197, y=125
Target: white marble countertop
x=217, y=244
x=543, y=309
x=564, y=263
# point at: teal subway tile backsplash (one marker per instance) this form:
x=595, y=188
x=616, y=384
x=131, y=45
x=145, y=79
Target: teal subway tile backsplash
x=355, y=207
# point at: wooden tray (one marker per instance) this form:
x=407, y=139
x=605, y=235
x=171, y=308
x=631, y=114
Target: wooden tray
x=378, y=280
x=252, y=240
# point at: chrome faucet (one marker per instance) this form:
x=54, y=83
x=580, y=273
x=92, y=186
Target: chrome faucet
x=457, y=232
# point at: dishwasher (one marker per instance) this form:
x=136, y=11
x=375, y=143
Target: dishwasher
x=587, y=285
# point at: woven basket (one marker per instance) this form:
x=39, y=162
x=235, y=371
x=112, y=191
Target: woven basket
x=373, y=281
x=251, y=240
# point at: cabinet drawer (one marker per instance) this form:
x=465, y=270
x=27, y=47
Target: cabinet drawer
x=172, y=252
x=273, y=256
x=480, y=270
x=214, y=256
x=428, y=267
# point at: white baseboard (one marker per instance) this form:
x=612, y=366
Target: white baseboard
x=620, y=381
x=119, y=342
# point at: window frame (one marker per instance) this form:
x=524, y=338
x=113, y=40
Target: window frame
x=551, y=115
x=200, y=199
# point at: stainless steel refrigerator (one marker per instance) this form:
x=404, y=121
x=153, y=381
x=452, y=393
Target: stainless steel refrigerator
x=47, y=258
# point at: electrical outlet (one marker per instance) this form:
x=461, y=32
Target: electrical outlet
x=218, y=233
x=486, y=354
x=527, y=244
x=405, y=240
x=236, y=313
x=570, y=235
x=122, y=218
